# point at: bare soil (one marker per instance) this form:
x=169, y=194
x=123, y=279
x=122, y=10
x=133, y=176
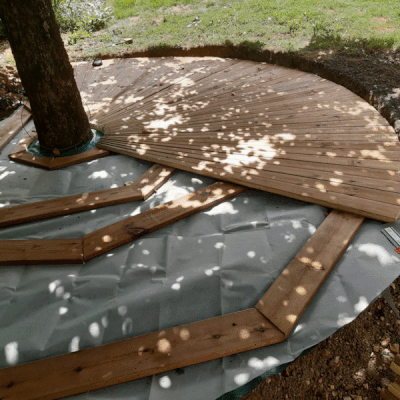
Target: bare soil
x=354, y=363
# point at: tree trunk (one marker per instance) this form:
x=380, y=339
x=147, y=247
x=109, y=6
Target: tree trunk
x=46, y=73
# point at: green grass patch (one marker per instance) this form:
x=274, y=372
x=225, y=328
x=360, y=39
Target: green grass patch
x=127, y=8
x=287, y=25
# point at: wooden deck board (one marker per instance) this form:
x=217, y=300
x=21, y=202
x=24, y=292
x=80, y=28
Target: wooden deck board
x=41, y=252
x=120, y=233
x=290, y=294
x=250, y=118
x=138, y=357
x=141, y=189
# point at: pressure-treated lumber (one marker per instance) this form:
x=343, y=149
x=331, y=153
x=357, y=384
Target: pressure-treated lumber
x=37, y=252
x=141, y=356
x=54, y=163
x=68, y=205
x=238, y=121
x=41, y=251
x=120, y=233
x=13, y=125
x=290, y=294
x=197, y=342
x=144, y=187
x=324, y=195
x=153, y=179
x=386, y=394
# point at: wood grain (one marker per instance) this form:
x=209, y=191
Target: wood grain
x=253, y=118
x=68, y=205
x=141, y=189
x=41, y=251
x=141, y=356
x=288, y=297
x=153, y=179
x=123, y=232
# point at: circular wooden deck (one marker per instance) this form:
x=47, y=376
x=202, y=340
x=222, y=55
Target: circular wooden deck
x=258, y=125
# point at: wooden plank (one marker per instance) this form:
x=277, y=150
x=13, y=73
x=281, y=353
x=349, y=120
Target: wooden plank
x=41, y=251
x=288, y=297
x=40, y=210
x=112, y=236
x=138, y=357
x=394, y=388
x=62, y=162
x=362, y=187
x=23, y=157
x=53, y=163
x=387, y=395
x=24, y=143
x=153, y=179
x=251, y=178
x=13, y=125
x=141, y=189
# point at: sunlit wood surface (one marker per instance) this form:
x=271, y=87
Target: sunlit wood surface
x=263, y=126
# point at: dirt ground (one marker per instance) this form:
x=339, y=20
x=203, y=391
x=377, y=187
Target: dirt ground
x=354, y=363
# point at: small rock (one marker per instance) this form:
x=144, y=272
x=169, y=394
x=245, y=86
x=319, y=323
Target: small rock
x=346, y=398
x=97, y=62
x=394, y=347
x=385, y=343
x=128, y=40
x=376, y=348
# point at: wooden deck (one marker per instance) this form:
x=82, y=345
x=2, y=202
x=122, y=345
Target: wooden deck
x=258, y=125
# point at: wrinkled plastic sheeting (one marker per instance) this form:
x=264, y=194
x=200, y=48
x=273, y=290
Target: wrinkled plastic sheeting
x=215, y=262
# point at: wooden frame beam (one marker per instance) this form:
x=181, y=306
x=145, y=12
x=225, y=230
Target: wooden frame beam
x=20, y=155
x=37, y=252
x=14, y=124
x=181, y=346
x=143, y=188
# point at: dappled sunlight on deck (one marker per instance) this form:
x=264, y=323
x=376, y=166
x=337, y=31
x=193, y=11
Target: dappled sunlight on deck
x=259, y=125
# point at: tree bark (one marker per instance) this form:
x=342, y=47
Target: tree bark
x=45, y=72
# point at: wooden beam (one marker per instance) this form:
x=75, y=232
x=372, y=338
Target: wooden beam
x=146, y=185
x=13, y=125
x=47, y=251
x=153, y=179
x=40, y=210
x=41, y=252
x=113, y=236
x=141, y=356
x=19, y=154
x=288, y=297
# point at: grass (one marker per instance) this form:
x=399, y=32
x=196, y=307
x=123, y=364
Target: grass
x=286, y=25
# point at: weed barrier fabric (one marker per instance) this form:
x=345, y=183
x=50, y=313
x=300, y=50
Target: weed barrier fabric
x=216, y=262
